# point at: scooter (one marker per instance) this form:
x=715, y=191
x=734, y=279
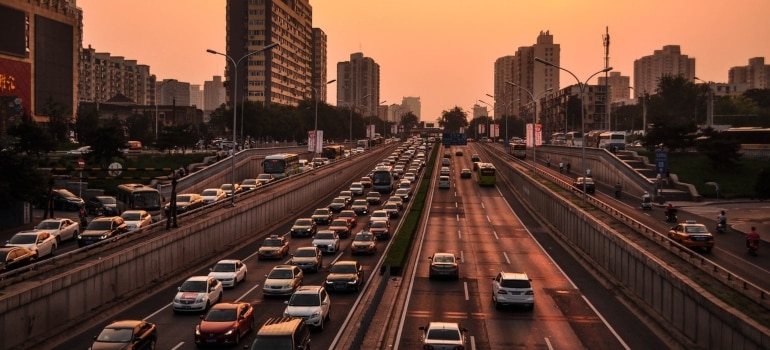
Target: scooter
x=646, y=203
x=671, y=215
x=752, y=246
x=721, y=226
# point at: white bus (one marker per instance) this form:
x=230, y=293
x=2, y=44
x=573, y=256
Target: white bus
x=574, y=139
x=613, y=140
x=383, y=179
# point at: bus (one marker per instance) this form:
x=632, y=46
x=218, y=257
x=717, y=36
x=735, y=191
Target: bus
x=574, y=139
x=519, y=150
x=487, y=174
x=558, y=139
x=613, y=140
x=591, y=138
x=382, y=179
x=333, y=152
x=281, y=165
x=141, y=197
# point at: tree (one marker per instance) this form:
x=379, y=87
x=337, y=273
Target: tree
x=673, y=111
x=762, y=186
x=59, y=119
x=409, y=121
x=32, y=138
x=139, y=127
x=19, y=180
x=721, y=151
x=107, y=142
x=454, y=119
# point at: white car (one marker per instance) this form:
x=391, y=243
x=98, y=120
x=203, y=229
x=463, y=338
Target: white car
x=211, y=195
x=410, y=176
x=379, y=215
x=136, y=219
x=357, y=188
x=512, y=288
x=80, y=151
x=311, y=303
x=197, y=293
x=443, y=336
x=41, y=242
x=327, y=241
x=60, y=228
x=229, y=272
x=282, y=280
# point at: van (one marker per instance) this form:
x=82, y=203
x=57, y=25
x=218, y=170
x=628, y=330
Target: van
x=282, y=333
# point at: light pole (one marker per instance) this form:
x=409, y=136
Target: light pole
x=350, y=106
x=234, y=91
x=156, y=105
x=582, y=87
x=384, y=120
x=315, y=127
x=489, y=131
x=534, y=119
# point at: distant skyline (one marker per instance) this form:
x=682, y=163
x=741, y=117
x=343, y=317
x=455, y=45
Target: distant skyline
x=444, y=51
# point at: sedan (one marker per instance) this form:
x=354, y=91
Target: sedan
x=327, y=241
x=364, y=242
x=250, y=184
x=357, y=188
x=225, y=324
x=185, y=202
x=308, y=258
x=228, y=189
x=392, y=208
x=64, y=200
x=349, y=215
x=136, y=219
x=265, y=178
x=229, y=272
x=101, y=229
x=444, y=265
x=127, y=334
x=380, y=228
x=322, y=216
x=443, y=335
x=43, y=243
x=403, y=193
x=103, y=205
x=282, y=280
x=274, y=247
x=60, y=228
x=14, y=257
x=197, y=293
x=305, y=227
x=465, y=173
x=360, y=206
x=373, y=198
x=341, y=226
x=590, y=186
x=345, y=275
x=338, y=204
x=366, y=181
x=211, y=195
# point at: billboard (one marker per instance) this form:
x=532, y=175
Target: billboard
x=14, y=29
x=15, y=90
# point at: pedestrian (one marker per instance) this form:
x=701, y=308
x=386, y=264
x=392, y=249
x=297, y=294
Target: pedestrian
x=588, y=172
x=561, y=167
x=548, y=161
x=568, y=167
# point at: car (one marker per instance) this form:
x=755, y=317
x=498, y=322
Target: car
x=512, y=288
x=345, y=275
x=126, y=334
x=228, y=189
x=62, y=199
x=14, y=257
x=320, y=161
x=590, y=186
x=338, y=204
x=364, y=242
x=380, y=228
x=443, y=182
x=379, y=215
x=405, y=184
x=211, y=195
x=411, y=176
x=341, y=226
x=395, y=199
x=366, y=181
x=282, y=280
x=444, y=171
x=304, y=227
x=373, y=198
x=60, y=228
x=265, y=179
x=308, y=258
x=465, y=173
x=311, y=303
x=225, y=324
x=80, y=151
x=347, y=194
x=444, y=265
x=197, y=293
x=43, y=243
x=403, y=193
x=101, y=229
x=350, y=215
x=185, y=202
x=443, y=335
x=290, y=333
x=476, y=166
x=274, y=247
x=475, y=158
x=447, y=154
x=458, y=153
x=229, y=271
x=446, y=162
x=360, y=206
x=327, y=241
x=392, y=208
x=357, y=188
x=322, y=216
x=103, y=205
x=250, y=184
x=136, y=219
x=692, y=235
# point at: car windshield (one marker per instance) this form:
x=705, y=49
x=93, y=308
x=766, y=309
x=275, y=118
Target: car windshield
x=99, y=225
x=348, y=214
x=23, y=239
x=343, y=269
x=305, y=253
x=320, y=212
x=209, y=193
x=402, y=191
x=390, y=205
x=263, y=177
x=107, y=200
x=303, y=222
x=116, y=335
x=227, y=187
x=695, y=229
x=48, y=225
x=342, y=222
x=379, y=214
x=373, y=195
x=324, y=236
x=193, y=286
x=281, y=274
x=249, y=182
x=338, y=201
x=444, y=259
x=183, y=198
x=443, y=334
x=360, y=202
x=132, y=216
x=362, y=237
x=221, y=315
x=305, y=300
x=224, y=267
x=273, y=243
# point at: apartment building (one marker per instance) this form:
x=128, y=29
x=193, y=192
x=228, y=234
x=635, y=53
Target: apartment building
x=103, y=76
x=214, y=94
x=619, y=86
x=358, y=84
x=667, y=61
x=755, y=75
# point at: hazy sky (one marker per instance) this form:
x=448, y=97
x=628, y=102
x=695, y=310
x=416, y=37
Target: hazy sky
x=444, y=50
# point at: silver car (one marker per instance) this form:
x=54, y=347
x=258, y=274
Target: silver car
x=308, y=258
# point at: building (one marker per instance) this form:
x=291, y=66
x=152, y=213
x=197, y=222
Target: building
x=669, y=61
x=503, y=92
x=320, y=64
x=560, y=111
x=618, y=84
x=103, y=76
x=358, y=83
x=196, y=96
x=173, y=92
x=414, y=105
x=754, y=76
x=282, y=74
x=214, y=94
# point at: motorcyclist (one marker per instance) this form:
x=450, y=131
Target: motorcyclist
x=83, y=217
x=752, y=237
x=722, y=219
x=669, y=211
x=618, y=189
x=646, y=197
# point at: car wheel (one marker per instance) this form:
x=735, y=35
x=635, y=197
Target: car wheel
x=151, y=346
x=237, y=338
x=53, y=250
x=321, y=325
x=328, y=314
x=208, y=305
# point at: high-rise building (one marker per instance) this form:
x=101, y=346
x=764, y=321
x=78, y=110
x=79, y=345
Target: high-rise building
x=103, y=76
x=504, y=92
x=282, y=74
x=669, y=61
x=214, y=94
x=414, y=105
x=755, y=76
x=618, y=84
x=173, y=92
x=358, y=84
x=319, y=64
x=196, y=96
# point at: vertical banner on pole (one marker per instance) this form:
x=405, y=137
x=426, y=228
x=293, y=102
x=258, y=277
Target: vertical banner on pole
x=528, y=136
x=538, y=134
x=319, y=144
x=311, y=141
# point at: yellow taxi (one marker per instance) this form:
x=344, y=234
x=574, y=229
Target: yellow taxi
x=692, y=234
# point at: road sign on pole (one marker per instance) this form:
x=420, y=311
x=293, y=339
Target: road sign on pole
x=81, y=163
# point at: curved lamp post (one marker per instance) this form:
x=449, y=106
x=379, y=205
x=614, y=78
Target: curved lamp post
x=315, y=127
x=534, y=118
x=582, y=87
x=234, y=91
x=156, y=105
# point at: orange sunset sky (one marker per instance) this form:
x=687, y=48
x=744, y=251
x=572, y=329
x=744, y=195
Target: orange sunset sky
x=444, y=51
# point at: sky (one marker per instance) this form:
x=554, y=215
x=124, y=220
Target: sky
x=443, y=51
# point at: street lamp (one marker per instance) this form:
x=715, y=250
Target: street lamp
x=156, y=105
x=384, y=120
x=534, y=119
x=582, y=87
x=489, y=132
x=350, y=106
x=315, y=127
x=643, y=97
x=234, y=91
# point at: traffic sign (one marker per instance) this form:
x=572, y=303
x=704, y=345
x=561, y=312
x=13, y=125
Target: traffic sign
x=81, y=162
x=115, y=169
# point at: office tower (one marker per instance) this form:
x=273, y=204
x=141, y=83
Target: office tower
x=319, y=64
x=214, y=94
x=619, y=86
x=358, y=84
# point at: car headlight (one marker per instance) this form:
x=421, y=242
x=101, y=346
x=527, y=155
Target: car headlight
x=197, y=330
x=199, y=299
x=230, y=332
x=315, y=315
x=80, y=236
x=103, y=236
x=352, y=282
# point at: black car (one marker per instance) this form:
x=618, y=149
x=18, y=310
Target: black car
x=304, y=227
x=13, y=257
x=322, y=216
x=101, y=229
x=62, y=199
x=338, y=204
x=104, y=206
x=127, y=334
x=345, y=275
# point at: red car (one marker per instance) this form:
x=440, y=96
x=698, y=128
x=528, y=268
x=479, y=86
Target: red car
x=225, y=324
x=350, y=215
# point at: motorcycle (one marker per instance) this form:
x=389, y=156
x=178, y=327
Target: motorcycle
x=721, y=226
x=646, y=203
x=752, y=245
x=671, y=215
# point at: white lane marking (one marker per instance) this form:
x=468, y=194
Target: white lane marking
x=548, y=343
x=459, y=234
x=473, y=343
x=457, y=217
x=612, y=330
x=495, y=233
x=482, y=205
x=156, y=312
x=465, y=286
x=506, y=258
x=488, y=219
x=247, y=292
x=178, y=346
x=462, y=256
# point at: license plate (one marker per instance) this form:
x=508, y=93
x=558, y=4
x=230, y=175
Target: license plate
x=211, y=340
x=186, y=307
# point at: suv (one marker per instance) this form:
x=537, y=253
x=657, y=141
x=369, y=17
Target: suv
x=345, y=275
x=101, y=229
x=443, y=335
x=311, y=303
x=304, y=227
x=512, y=288
x=282, y=333
x=322, y=216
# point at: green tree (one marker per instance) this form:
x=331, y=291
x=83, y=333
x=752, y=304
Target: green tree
x=60, y=119
x=409, y=121
x=107, y=142
x=140, y=128
x=32, y=138
x=723, y=152
x=19, y=180
x=673, y=111
x=453, y=119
